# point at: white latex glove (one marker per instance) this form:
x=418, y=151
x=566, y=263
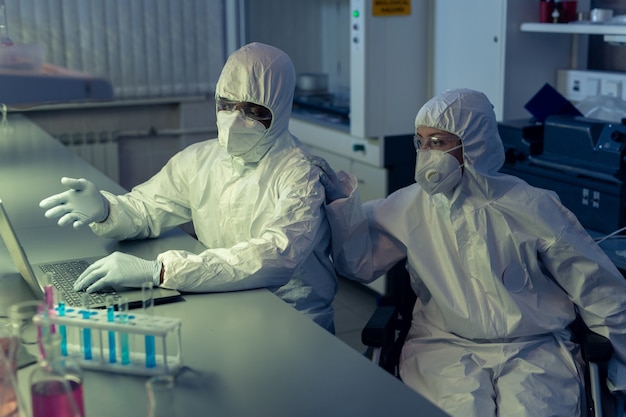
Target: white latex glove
x=81, y=204
x=333, y=183
x=119, y=269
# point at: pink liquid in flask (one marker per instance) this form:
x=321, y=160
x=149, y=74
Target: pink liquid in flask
x=50, y=399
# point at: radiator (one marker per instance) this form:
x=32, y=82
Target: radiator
x=131, y=157
x=100, y=149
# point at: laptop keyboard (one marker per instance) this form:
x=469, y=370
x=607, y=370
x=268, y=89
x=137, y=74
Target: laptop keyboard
x=65, y=273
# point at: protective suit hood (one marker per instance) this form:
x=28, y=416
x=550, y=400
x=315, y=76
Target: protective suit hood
x=469, y=115
x=265, y=75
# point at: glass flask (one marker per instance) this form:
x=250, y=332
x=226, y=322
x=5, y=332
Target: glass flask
x=22, y=335
x=9, y=400
x=56, y=385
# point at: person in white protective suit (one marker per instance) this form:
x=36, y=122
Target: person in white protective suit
x=500, y=269
x=255, y=200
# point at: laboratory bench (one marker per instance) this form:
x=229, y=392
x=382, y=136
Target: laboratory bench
x=245, y=353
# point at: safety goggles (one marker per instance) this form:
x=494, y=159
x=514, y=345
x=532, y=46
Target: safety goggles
x=250, y=110
x=435, y=142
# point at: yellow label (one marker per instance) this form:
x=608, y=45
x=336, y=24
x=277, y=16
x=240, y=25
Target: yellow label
x=391, y=7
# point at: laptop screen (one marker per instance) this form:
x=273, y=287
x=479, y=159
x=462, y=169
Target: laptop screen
x=17, y=252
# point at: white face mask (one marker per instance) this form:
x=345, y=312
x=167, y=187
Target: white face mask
x=437, y=171
x=238, y=134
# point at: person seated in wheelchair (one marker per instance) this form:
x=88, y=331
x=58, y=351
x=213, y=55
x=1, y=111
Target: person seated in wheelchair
x=500, y=269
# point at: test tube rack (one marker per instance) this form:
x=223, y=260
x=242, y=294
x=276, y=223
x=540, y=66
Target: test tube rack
x=129, y=353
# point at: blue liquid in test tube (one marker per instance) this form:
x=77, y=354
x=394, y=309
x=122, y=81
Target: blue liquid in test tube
x=110, y=301
x=148, y=310
x=124, y=344
x=62, y=328
x=87, y=354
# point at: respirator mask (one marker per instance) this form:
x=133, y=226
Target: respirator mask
x=238, y=134
x=437, y=171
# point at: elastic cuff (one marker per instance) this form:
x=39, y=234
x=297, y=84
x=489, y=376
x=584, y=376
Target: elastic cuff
x=156, y=273
x=106, y=209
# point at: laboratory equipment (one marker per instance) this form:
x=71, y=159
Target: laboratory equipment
x=600, y=15
x=86, y=330
x=583, y=160
x=60, y=310
x=27, y=335
x=124, y=338
x=164, y=356
x=148, y=310
x=5, y=39
x=48, y=291
x=161, y=396
x=56, y=385
x=9, y=404
x=110, y=300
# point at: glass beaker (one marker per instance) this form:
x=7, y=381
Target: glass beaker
x=161, y=399
x=21, y=317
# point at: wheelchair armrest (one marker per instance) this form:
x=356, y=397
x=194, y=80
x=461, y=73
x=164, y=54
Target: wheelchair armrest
x=595, y=348
x=380, y=329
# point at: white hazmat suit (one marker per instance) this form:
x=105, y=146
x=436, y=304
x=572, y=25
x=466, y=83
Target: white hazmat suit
x=488, y=334
x=260, y=214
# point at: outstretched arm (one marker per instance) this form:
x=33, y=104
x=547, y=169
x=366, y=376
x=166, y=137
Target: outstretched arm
x=81, y=204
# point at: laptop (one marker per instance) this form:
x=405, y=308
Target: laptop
x=36, y=278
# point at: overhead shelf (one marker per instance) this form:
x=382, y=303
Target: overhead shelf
x=611, y=33
x=51, y=85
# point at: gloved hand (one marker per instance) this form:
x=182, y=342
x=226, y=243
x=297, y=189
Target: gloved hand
x=119, y=269
x=81, y=204
x=334, y=185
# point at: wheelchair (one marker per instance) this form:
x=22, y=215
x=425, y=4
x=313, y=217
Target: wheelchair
x=385, y=333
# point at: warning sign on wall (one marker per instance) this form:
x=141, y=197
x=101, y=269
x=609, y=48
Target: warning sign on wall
x=391, y=7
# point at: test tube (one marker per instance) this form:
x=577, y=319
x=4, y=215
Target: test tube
x=148, y=309
x=124, y=344
x=87, y=353
x=62, y=328
x=48, y=291
x=48, y=296
x=110, y=302
x=43, y=328
x=5, y=40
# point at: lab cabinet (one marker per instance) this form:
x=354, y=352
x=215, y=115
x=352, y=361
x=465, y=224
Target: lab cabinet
x=478, y=44
x=372, y=180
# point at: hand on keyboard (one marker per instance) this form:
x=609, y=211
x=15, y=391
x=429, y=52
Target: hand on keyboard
x=118, y=269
